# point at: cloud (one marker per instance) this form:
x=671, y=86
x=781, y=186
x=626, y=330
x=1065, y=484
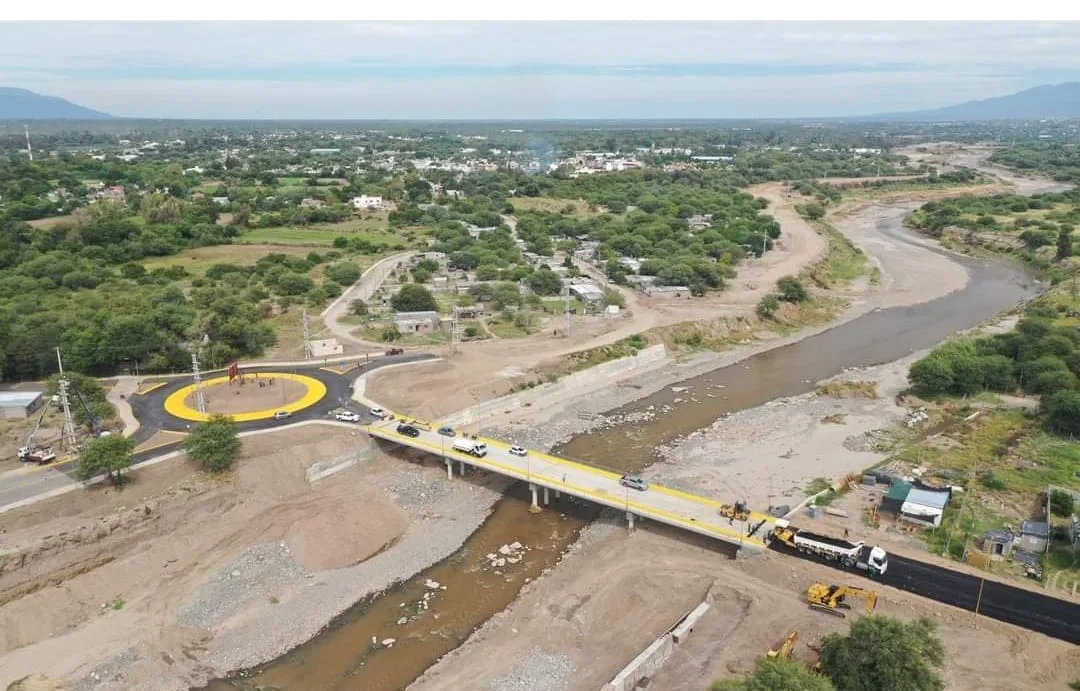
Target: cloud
x=530, y=69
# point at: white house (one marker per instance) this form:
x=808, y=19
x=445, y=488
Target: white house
x=366, y=203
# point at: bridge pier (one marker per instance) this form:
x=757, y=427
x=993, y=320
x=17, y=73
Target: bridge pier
x=630, y=521
x=547, y=497
x=534, y=508
x=449, y=469
x=461, y=467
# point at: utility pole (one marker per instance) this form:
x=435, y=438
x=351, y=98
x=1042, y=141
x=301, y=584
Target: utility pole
x=67, y=434
x=29, y=150
x=200, y=402
x=566, y=309
x=307, y=336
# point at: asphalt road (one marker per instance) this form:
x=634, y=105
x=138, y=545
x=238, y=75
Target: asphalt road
x=30, y=480
x=1044, y=614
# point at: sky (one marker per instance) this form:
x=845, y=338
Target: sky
x=536, y=70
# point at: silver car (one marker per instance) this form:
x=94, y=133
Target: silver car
x=634, y=482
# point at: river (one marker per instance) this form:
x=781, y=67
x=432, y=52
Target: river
x=350, y=653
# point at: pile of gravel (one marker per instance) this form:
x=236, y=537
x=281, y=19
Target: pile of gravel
x=413, y=490
x=539, y=671
x=258, y=572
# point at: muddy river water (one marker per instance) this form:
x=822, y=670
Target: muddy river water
x=354, y=652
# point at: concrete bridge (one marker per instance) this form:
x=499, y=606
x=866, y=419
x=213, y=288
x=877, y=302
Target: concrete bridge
x=546, y=474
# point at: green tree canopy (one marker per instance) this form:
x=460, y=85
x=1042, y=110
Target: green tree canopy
x=413, y=297
x=885, y=654
x=776, y=675
x=110, y=454
x=791, y=290
x=214, y=444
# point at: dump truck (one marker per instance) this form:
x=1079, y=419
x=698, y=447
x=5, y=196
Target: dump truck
x=470, y=446
x=851, y=555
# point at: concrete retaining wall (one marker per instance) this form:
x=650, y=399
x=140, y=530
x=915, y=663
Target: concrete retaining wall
x=570, y=385
x=649, y=662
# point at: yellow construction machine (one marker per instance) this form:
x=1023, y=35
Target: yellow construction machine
x=784, y=650
x=738, y=512
x=830, y=598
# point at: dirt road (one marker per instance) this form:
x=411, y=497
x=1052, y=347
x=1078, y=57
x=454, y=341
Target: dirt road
x=363, y=289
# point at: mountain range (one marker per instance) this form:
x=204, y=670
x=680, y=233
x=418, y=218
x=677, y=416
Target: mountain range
x=20, y=104
x=1050, y=101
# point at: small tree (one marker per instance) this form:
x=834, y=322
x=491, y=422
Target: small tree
x=471, y=331
x=358, y=307
x=812, y=211
x=776, y=675
x=110, y=455
x=766, y=309
x=885, y=654
x=414, y=297
x=1064, y=244
x=214, y=444
x=1063, y=411
x=1061, y=503
x=791, y=290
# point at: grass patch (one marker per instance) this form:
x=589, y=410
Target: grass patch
x=848, y=389
x=118, y=604
x=619, y=349
x=570, y=207
x=507, y=328
x=818, y=484
x=843, y=261
x=198, y=260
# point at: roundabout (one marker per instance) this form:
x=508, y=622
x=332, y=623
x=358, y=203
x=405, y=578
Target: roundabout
x=247, y=399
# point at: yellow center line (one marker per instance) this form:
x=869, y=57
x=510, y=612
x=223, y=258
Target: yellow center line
x=601, y=496
x=611, y=475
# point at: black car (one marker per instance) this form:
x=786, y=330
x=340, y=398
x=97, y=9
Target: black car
x=408, y=431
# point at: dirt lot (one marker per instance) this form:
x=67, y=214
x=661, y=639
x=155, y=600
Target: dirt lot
x=609, y=599
x=102, y=570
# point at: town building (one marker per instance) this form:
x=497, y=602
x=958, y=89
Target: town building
x=366, y=203
x=417, y=322
x=924, y=506
x=1034, y=536
x=19, y=405
x=667, y=291
x=311, y=203
x=587, y=292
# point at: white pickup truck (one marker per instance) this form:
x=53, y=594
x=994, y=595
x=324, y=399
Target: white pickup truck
x=470, y=446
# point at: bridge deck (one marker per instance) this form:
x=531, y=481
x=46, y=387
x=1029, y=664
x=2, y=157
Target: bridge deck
x=662, y=504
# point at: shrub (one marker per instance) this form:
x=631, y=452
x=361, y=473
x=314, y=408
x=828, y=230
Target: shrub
x=791, y=290
x=766, y=308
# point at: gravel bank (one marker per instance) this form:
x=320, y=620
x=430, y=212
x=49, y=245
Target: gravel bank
x=442, y=515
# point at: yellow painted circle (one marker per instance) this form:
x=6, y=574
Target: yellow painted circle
x=175, y=405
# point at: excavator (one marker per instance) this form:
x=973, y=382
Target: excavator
x=783, y=652
x=830, y=598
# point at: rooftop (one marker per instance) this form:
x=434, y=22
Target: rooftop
x=925, y=497
x=13, y=399
x=1036, y=528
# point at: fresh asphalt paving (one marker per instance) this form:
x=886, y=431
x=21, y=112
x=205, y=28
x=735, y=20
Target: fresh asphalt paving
x=1027, y=609
x=30, y=480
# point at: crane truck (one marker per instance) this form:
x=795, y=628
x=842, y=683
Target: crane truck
x=851, y=555
x=28, y=453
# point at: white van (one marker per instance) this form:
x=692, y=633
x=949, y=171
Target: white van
x=475, y=448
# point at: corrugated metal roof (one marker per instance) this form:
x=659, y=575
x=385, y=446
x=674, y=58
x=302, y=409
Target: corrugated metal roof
x=1036, y=528
x=924, y=497
x=18, y=399
x=898, y=490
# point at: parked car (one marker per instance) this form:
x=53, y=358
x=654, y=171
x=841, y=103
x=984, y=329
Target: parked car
x=634, y=482
x=408, y=431
x=447, y=431
x=395, y=351
x=377, y=412
x=516, y=450
x=348, y=416
x=282, y=414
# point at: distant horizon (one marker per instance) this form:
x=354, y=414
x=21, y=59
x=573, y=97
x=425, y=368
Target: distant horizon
x=517, y=71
